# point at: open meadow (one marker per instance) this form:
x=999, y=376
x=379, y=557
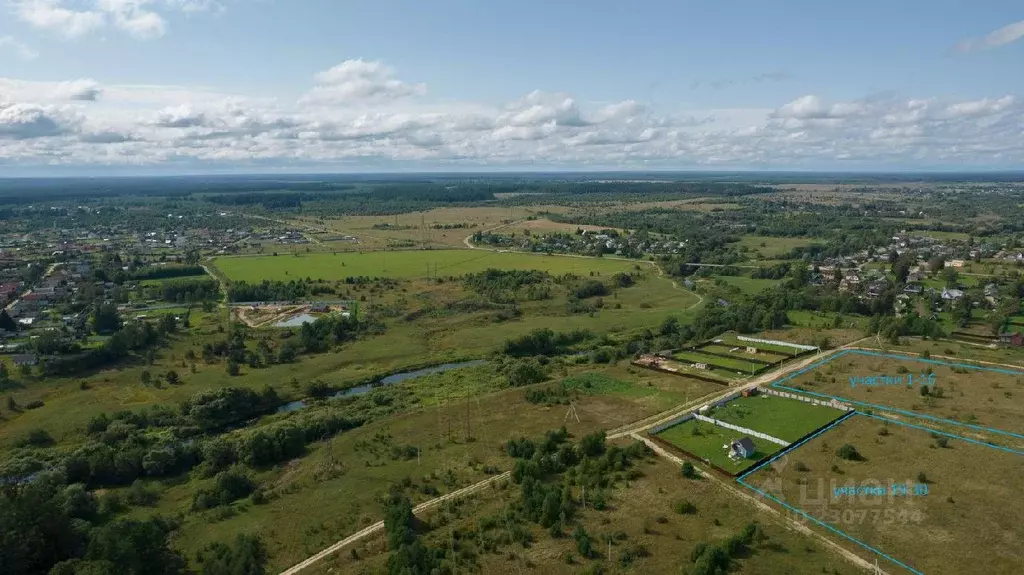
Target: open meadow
x=406, y=264
x=640, y=514
x=337, y=488
x=951, y=497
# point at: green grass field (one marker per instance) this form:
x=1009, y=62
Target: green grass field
x=786, y=419
x=407, y=264
x=940, y=235
x=748, y=285
x=710, y=441
x=774, y=246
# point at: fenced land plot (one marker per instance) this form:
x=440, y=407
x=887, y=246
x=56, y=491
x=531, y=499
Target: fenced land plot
x=709, y=442
x=977, y=399
x=785, y=419
x=972, y=502
x=741, y=353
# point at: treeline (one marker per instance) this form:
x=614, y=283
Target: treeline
x=544, y=341
x=188, y=290
x=266, y=290
x=50, y=526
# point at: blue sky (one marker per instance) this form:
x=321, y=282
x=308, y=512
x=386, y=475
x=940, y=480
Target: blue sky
x=230, y=84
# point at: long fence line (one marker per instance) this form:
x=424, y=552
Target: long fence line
x=777, y=342
x=743, y=430
x=834, y=404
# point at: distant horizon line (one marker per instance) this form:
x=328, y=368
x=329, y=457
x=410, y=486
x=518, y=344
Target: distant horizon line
x=903, y=173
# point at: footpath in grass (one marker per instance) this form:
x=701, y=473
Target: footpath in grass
x=710, y=442
x=786, y=419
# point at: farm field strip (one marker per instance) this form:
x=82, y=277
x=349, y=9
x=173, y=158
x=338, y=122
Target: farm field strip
x=983, y=503
x=1006, y=413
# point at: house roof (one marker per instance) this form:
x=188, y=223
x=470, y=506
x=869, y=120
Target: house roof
x=745, y=442
x=25, y=358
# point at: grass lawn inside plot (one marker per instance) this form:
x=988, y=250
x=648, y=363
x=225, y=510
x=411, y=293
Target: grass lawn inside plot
x=972, y=502
x=405, y=264
x=711, y=443
x=976, y=399
x=734, y=364
x=786, y=419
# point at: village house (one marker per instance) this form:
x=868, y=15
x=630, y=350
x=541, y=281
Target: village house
x=1012, y=338
x=952, y=294
x=742, y=448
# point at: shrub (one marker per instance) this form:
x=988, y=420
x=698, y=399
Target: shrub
x=37, y=438
x=942, y=442
x=849, y=453
x=685, y=507
x=689, y=471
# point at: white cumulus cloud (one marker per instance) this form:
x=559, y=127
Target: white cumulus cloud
x=365, y=116
x=360, y=81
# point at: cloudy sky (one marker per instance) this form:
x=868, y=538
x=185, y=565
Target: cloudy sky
x=164, y=86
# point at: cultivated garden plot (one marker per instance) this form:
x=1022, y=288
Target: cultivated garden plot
x=981, y=400
x=923, y=501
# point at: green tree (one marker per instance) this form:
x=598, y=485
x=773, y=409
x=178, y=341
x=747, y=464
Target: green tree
x=172, y=377
x=245, y=556
x=105, y=318
x=7, y=323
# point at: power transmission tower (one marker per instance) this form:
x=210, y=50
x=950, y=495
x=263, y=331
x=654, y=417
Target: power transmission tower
x=571, y=413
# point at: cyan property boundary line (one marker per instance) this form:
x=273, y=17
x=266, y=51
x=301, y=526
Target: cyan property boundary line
x=804, y=514
x=778, y=384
